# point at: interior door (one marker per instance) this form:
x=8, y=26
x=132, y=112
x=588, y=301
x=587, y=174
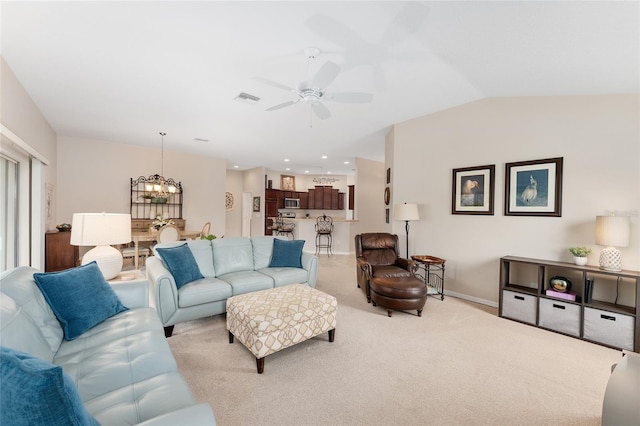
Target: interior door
x=247, y=207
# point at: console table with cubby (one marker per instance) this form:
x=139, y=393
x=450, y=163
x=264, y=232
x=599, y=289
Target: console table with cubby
x=609, y=318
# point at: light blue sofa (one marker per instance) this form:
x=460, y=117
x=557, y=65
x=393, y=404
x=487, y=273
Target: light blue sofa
x=230, y=266
x=122, y=368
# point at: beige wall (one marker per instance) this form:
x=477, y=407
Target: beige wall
x=369, y=199
x=254, y=183
x=234, y=216
x=95, y=176
x=598, y=136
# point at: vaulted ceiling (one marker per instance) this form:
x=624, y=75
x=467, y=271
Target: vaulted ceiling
x=125, y=71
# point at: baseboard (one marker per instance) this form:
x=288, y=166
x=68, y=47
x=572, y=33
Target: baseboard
x=471, y=298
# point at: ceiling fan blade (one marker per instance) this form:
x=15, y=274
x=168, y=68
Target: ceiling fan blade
x=349, y=97
x=325, y=75
x=321, y=111
x=274, y=84
x=283, y=105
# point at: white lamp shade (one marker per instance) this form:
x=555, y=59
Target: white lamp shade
x=100, y=229
x=613, y=231
x=406, y=211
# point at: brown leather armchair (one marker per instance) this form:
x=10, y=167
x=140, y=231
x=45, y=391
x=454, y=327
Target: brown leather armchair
x=377, y=255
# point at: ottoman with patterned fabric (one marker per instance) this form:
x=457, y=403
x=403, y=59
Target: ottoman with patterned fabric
x=271, y=320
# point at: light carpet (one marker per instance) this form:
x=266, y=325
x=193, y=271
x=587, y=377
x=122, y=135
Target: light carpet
x=458, y=364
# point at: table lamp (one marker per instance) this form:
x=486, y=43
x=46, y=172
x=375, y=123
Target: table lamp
x=406, y=212
x=612, y=231
x=101, y=230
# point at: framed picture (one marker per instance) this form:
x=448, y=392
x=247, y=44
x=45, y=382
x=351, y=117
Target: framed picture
x=256, y=204
x=473, y=190
x=287, y=183
x=534, y=188
x=386, y=215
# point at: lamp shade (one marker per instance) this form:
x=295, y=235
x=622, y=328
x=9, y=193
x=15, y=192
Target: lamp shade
x=612, y=231
x=406, y=211
x=100, y=229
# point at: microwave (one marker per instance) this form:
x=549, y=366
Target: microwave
x=292, y=203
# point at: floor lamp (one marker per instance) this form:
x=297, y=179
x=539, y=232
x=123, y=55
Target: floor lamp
x=406, y=212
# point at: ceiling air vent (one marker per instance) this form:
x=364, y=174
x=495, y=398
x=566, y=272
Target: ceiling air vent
x=247, y=98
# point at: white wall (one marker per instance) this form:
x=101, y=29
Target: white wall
x=95, y=176
x=598, y=136
x=254, y=183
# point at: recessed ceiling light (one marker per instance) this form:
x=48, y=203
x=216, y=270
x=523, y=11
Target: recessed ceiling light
x=306, y=171
x=288, y=168
x=328, y=173
x=235, y=166
x=286, y=160
x=324, y=157
x=346, y=162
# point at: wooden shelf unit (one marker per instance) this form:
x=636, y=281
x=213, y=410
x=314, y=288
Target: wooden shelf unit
x=611, y=318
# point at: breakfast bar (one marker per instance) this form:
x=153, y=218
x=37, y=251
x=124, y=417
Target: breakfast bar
x=305, y=229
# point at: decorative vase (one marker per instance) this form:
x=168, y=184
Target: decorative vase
x=580, y=261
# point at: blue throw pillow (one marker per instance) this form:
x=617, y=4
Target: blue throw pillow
x=36, y=392
x=181, y=263
x=286, y=254
x=80, y=297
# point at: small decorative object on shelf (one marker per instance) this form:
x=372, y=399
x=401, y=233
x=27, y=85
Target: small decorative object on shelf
x=160, y=222
x=64, y=227
x=560, y=284
x=580, y=255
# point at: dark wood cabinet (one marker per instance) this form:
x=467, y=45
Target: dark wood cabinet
x=304, y=200
x=352, y=197
x=59, y=254
x=312, y=199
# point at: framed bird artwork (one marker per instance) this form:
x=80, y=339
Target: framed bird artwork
x=534, y=188
x=473, y=190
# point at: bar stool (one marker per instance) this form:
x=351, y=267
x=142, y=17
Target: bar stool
x=324, y=229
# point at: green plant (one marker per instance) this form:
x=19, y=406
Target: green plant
x=580, y=251
x=208, y=237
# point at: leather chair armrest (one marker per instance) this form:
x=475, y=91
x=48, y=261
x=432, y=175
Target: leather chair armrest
x=408, y=264
x=365, y=267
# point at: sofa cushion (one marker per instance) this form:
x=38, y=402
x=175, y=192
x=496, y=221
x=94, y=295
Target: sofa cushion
x=232, y=255
x=262, y=250
x=286, y=276
x=247, y=281
x=181, y=263
x=28, y=323
x=36, y=392
x=79, y=297
x=202, y=253
x=286, y=254
x=202, y=291
x=117, y=353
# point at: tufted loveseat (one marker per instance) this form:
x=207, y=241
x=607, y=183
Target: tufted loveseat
x=228, y=266
x=122, y=369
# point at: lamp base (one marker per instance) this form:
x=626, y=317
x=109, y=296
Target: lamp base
x=611, y=259
x=109, y=260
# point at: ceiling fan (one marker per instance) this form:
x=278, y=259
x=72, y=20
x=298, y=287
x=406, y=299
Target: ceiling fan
x=313, y=91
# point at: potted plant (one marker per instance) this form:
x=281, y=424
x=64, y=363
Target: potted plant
x=580, y=254
x=208, y=237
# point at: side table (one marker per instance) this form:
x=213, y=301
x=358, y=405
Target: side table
x=134, y=288
x=431, y=270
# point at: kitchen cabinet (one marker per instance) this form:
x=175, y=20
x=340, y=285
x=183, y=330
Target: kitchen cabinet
x=59, y=254
x=601, y=307
x=352, y=197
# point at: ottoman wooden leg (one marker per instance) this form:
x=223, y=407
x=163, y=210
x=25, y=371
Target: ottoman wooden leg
x=419, y=312
x=332, y=335
x=260, y=365
x=389, y=312
x=230, y=337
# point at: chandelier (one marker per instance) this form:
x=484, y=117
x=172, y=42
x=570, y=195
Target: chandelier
x=324, y=180
x=156, y=185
